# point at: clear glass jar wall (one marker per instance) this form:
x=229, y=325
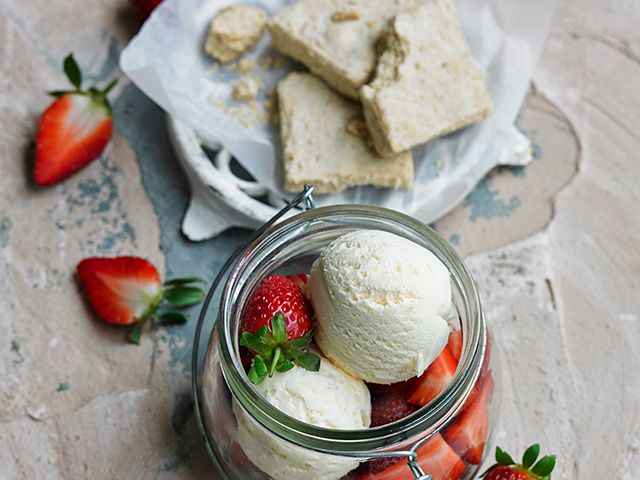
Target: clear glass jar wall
x=455, y=422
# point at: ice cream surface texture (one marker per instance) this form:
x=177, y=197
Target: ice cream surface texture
x=381, y=302
x=328, y=398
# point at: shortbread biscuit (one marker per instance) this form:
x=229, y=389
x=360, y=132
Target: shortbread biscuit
x=318, y=149
x=335, y=39
x=426, y=84
x=234, y=30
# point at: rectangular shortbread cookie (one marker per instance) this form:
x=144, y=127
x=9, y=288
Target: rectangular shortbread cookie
x=335, y=39
x=426, y=83
x=319, y=149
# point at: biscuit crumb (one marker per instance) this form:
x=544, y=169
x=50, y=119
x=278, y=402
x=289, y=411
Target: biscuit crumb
x=265, y=62
x=357, y=127
x=245, y=66
x=246, y=89
x=345, y=16
x=234, y=30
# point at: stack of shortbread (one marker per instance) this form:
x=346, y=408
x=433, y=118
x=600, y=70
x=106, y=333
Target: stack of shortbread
x=385, y=76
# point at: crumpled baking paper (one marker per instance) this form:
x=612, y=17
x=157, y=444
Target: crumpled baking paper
x=166, y=60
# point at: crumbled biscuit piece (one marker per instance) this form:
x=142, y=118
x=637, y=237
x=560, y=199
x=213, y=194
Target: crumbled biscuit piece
x=342, y=53
x=345, y=16
x=265, y=62
x=318, y=150
x=427, y=84
x=234, y=30
x=245, y=66
x=358, y=127
x=246, y=89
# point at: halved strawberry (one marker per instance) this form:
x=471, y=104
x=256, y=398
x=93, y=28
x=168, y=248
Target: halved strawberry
x=128, y=290
x=73, y=130
x=455, y=344
x=435, y=457
x=428, y=385
x=469, y=431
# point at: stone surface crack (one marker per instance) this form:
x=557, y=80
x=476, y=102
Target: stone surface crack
x=552, y=295
x=617, y=45
x=611, y=117
x=547, y=106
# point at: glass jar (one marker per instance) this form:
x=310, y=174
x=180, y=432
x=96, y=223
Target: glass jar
x=436, y=439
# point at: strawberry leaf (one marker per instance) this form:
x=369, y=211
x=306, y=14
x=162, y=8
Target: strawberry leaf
x=109, y=87
x=503, y=458
x=302, y=342
x=253, y=342
x=135, y=333
x=279, y=328
x=183, y=281
x=530, y=455
x=173, y=317
x=308, y=360
x=545, y=466
x=181, y=296
x=72, y=71
x=60, y=93
x=285, y=366
x=258, y=371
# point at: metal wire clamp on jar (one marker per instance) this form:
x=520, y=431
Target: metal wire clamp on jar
x=218, y=375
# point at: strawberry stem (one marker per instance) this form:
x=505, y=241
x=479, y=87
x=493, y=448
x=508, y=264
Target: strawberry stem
x=276, y=358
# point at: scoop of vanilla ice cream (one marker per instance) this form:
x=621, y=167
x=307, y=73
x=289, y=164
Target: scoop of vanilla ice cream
x=381, y=303
x=328, y=398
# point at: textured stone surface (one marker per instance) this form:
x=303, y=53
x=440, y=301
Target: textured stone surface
x=554, y=248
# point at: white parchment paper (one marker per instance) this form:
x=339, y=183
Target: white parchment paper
x=166, y=60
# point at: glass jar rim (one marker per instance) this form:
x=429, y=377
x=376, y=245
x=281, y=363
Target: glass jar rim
x=358, y=443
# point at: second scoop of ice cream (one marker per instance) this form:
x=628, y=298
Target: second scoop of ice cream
x=381, y=303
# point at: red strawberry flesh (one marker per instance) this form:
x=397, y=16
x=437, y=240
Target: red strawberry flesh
x=428, y=385
x=469, y=431
x=435, y=457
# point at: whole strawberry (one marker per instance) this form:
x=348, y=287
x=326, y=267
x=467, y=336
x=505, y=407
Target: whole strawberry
x=74, y=130
x=276, y=327
x=506, y=469
x=128, y=291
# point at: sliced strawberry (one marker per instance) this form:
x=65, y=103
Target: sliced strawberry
x=435, y=457
x=120, y=290
x=455, y=344
x=469, y=431
x=398, y=387
x=73, y=131
x=428, y=385
x=127, y=290
x=388, y=408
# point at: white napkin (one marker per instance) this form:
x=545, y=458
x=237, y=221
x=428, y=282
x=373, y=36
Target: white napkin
x=166, y=60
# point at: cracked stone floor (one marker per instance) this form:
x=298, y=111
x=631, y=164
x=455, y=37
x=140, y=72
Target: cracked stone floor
x=554, y=248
